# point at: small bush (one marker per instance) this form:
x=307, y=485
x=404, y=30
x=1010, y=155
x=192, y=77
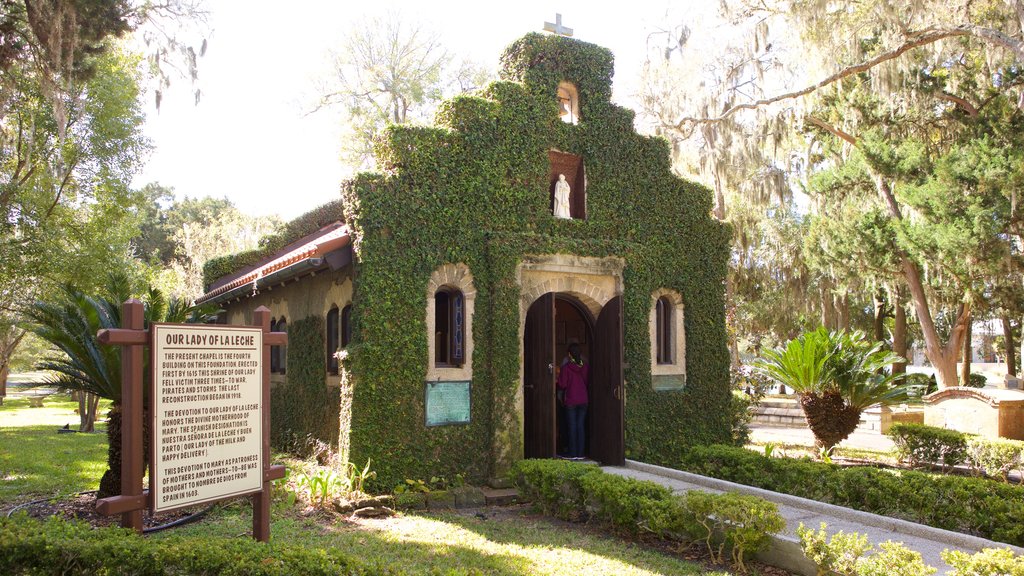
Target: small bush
x=746, y=522
x=620, y=501
x=30, y=546
x=738, y=522
x=917, y=384
x=836, y=555
x=976, y=381
x=918, y=444
x=995, y=457
x=895, y=559
x=553, y=484
x=846, y=555
x=988, y=562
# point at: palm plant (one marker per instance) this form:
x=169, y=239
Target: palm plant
x=70, y=321
x=836, y=376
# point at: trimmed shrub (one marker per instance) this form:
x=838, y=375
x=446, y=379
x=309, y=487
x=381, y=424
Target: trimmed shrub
x=995, y=457
x=552, y=484
x=741, y=523
x=30, y=546
x=976, y=381
x=970, y=505
x=836, y=555
x=918, y=444
x=917, y=384
x=894, y=559
x=988, y=562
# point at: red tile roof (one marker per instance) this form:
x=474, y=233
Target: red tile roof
x=314, y=248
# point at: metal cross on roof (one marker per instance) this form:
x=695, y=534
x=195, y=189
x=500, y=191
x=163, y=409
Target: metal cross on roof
x=557, y=27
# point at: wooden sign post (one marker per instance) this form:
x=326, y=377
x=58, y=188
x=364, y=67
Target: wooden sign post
x=209, y=412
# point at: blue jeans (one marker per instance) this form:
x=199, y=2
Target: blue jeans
x=577, y=416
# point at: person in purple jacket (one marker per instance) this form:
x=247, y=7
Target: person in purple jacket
x=574, y=379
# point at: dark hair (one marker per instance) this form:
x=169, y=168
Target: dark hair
x=574, y=351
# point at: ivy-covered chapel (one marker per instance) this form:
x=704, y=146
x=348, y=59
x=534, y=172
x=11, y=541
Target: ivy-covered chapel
x=430, y=308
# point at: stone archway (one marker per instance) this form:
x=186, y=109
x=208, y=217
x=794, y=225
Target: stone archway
x=592, y=284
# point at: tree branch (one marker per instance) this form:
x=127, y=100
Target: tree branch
x=971, y=110
x=915, y=40
x=832, y=130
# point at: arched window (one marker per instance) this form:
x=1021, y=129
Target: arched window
x=663, y=330
x=668, y=340
x=333, y=331
x=282, y=351
x=568, y=103
x=274, y=352
x=346, y=326
x=449, y=320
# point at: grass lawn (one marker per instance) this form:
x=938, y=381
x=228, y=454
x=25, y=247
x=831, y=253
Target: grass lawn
x=500, y=541
x=35, y=462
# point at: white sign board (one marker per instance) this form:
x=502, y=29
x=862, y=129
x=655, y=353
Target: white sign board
x=207, y=413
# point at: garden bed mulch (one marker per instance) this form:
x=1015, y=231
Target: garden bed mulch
x=83, y=507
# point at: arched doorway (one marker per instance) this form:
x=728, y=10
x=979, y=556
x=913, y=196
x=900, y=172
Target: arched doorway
x=553, y=321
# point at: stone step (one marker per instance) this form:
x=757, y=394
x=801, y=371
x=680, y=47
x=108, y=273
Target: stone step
x=500, y=496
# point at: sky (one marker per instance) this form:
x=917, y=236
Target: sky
x=251, y=137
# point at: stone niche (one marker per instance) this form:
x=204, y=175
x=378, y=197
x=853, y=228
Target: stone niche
x=990, y=412
x=571, y=166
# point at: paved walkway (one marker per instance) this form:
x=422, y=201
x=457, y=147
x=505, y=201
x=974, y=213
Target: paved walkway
x=785, y=552
x=862, y=438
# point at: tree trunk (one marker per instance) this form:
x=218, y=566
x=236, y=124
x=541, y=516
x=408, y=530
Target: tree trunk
x=943, y=358
x=828, y=309
x=880, y=314
x=899, y=330
x=110, y=483
x=965, y=366
x=843, y=311
x=830, y=419
x=1008, y=346
x=11, y=338
x=87, y=411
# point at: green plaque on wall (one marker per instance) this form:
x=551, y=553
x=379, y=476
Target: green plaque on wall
x=447, y=403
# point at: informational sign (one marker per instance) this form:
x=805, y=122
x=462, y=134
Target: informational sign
x=207, y=413
x=447, y=403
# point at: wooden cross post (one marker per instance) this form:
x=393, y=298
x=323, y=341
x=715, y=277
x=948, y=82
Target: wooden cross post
x=132, y=338
x=261, y=499
x=557, y=27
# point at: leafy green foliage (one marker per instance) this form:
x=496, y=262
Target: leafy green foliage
x=474, y=190
x=971, y=505
x=988, y=562
x=837, y=375
x=996, y=457
x=29, y=546
x=837, y=554
x=739, y=522
x=289, y=232
x=918, y=444
x=304, y=408
x=845, y=555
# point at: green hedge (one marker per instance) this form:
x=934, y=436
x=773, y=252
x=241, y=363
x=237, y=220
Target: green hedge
x=304, y=407
x=573, y=490
x=30, y=546
x=918, y=444
x=970, y=505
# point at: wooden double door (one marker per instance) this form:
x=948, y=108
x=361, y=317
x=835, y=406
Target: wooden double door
x=544, y=338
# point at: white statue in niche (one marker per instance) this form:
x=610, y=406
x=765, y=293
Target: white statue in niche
x=561, y=208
